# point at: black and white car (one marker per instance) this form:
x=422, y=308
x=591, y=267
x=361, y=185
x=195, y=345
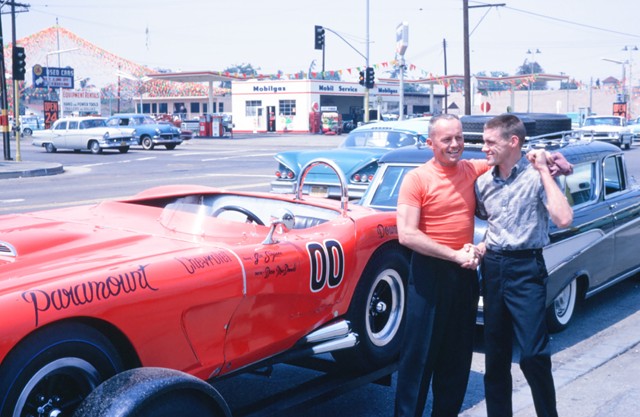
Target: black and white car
x=84, y=133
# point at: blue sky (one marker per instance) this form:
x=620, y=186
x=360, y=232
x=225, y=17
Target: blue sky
x=572, y=35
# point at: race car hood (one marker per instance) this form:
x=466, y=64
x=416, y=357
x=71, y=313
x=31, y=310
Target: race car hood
x=55, y=244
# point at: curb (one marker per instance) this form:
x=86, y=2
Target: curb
x=29, y=169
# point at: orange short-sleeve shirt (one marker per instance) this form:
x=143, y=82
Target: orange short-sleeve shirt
x=446, y=198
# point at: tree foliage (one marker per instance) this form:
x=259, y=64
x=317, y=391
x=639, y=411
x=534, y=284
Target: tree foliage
x=242, y=69
x=529, y=68
x=485, y=86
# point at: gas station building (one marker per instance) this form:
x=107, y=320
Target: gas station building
x=294, y=106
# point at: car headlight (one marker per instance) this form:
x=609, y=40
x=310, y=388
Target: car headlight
x=105, y=136
x=158, y=132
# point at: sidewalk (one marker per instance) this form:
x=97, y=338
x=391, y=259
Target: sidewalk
x=13, y=169
x=601, y=381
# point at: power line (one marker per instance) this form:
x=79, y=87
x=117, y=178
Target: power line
x=573, y=23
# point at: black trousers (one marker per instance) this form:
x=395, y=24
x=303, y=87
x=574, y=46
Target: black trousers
x=441, y=313
x=514, y=291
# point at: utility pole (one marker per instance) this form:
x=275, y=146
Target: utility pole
x=446, y=86
x=467, y=58
x=467, y=64
x=366, y=90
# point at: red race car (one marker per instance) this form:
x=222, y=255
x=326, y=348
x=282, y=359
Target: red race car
x=189, y=281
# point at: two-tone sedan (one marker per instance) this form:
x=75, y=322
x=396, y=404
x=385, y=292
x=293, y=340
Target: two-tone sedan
x=596, y=251
x=183, y=284
x=357, y=157
x=147, y=131
x=84, y=133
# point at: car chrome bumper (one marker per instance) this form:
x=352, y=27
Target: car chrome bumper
x=163, y=140
x=112, y=143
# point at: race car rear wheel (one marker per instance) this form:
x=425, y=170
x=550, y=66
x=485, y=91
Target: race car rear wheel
x=378, y=310
x=54, y=369
x=154, y=392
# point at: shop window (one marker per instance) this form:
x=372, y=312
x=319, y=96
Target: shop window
x=221, y=107
x=251, y=107
x=287, y=107
x=163, y=108
x=194, y=108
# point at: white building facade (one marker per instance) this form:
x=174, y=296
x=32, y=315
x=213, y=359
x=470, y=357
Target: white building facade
x=292, y=105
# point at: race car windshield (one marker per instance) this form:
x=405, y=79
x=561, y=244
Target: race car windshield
x=186, y=217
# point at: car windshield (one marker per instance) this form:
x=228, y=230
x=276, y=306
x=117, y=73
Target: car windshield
x=91, y=123
x=380, y=139
x=609, y=121
x=141, y=120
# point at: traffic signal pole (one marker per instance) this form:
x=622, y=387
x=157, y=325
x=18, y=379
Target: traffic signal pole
x=319, y=33
x=18, y=73
x=366, y=88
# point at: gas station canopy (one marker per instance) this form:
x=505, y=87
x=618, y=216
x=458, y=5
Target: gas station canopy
x=197, y=77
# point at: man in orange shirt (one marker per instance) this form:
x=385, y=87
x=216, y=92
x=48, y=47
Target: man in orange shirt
x=436, y=207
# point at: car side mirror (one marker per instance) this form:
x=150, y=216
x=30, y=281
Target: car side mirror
x=283, y=218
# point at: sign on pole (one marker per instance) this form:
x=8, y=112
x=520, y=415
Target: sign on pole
x=44, y=77
x=402, y=38
x=82, y=102
x=50, y=113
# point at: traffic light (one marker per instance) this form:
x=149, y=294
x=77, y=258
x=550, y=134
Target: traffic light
x=19, y=63
x=370, y=78
x=319, y=32
x=361, y=79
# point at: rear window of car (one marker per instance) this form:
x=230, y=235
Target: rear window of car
x=379, y=139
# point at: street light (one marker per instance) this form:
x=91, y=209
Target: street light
x=623, y=84
x=533, y=57
x=630, y=49
x=141, y=80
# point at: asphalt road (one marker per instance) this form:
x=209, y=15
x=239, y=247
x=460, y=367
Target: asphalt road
x=595, y=359
x=242, y=163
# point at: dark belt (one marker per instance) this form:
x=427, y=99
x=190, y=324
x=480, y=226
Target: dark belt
x=520, y=253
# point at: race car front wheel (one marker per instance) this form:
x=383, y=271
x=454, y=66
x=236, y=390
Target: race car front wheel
x=154, y=392
x=54, y=369
x=377, y=312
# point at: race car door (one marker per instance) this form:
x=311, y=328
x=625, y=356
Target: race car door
x=292, y=287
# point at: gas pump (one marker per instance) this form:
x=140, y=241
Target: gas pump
x=211, y=126
x=205, y=125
